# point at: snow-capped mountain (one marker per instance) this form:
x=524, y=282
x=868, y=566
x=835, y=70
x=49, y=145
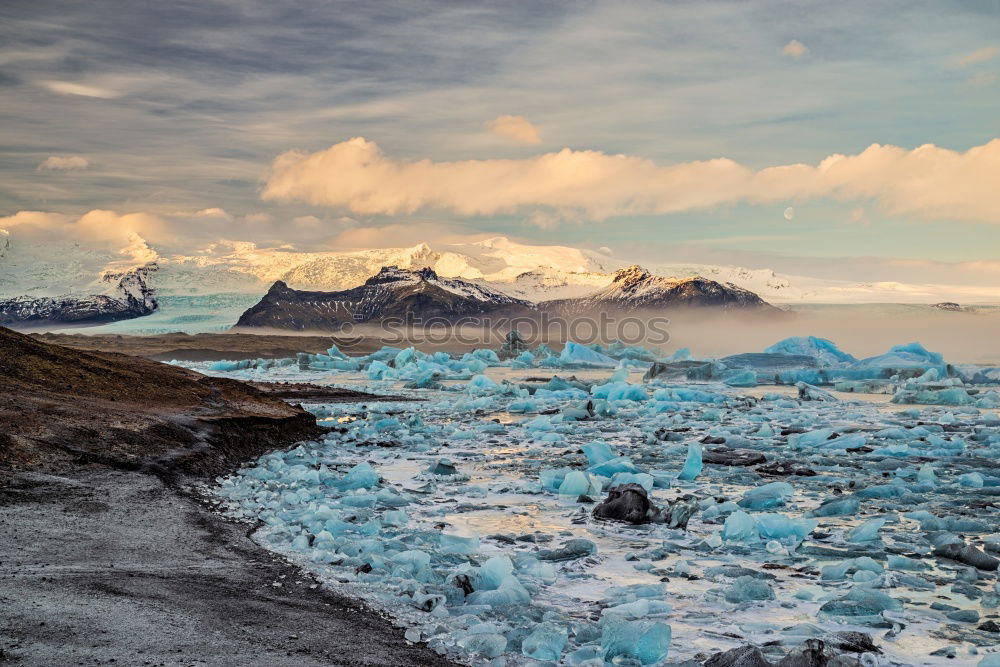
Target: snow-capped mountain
x=127, y=296
x=635, y=288
x=235, y=273
x=407, y=295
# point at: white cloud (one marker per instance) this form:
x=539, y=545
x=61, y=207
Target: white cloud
x=214, y=212
x=794, y=49
x=928, y=181
x=518, y=128
x=95, y=225
x=64, y=162
x=978, y=56
x=79, y=89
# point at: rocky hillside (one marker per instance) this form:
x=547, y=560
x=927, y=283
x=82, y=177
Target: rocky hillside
x=60, y=405
x=635, y=288
x=391, y=293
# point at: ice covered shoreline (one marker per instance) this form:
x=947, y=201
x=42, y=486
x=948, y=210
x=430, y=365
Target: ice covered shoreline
x=460, y=514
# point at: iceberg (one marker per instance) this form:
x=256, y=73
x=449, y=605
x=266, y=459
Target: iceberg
x=648, y=642
x=823, y=350
x=693, y=464
x=546, y=641
x=577, y=355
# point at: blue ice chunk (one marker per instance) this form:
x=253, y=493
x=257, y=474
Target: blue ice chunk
x=578, y=483
x=767, y=496
x=642, y=479
x=490, y=645
x=926, y=475
x=411, y=561
x=779, y=526
x=598, y=452
x=843, y=506
x=904, y=563
x=740, y=378
x=361, y=476
x=648, y=642
x=883, y=491
x=640, y=608
x=455, y=544
x=620, y=391
x=747, y=588
x=546, y=641
x=861, y=602
x=379, y=370
x=822, y=349
x=693, y=464
x=614, y=466
x=395, y=518
x=866, y=532
x=552, y=478
x=740, y=527
x=492, y=573
x=575, y=354
x=972, y=480
x=509, y=592
x=904, y=356
x=589, y=655
x=480, y=385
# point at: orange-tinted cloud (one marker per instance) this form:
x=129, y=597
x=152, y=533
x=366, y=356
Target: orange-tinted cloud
x=927, y=182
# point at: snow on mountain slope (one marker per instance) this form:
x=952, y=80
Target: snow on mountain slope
x=533, y=272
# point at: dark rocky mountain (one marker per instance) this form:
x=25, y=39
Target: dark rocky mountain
x=635, y=288
x=128, y=295
x=391, y=293
x=949, y=306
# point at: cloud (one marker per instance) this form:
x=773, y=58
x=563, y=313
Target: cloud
x=982, y=80
x=79, y=89
x=794, y=49
x=518, y=128
x=928, y=182
x=978, y=56
x=214, y=212
x=95, y=225
x=64, y=162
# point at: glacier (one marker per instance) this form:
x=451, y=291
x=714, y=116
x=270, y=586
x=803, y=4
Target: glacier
x=469, y=515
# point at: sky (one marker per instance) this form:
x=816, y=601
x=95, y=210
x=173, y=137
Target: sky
x=845, y=140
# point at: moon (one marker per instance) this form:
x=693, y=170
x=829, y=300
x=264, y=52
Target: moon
x=789, y=213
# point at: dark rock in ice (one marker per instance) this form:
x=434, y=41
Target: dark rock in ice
x=585, y=499
x=465, y=583
x=856, y=642
x=630, y=503
x=785, y=469
x=625, y=502
x=442, y=467
x=713, y=440
x=671, y=370
x=677, y=513
x=963, y=616
x=732, y=457
x=571, y=550
x=990, y=626
x=513, y=345
x=817, y=653
x=741, y=656
x=970, y=555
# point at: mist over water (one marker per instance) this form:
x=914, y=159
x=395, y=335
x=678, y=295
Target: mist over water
x=863, y=330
